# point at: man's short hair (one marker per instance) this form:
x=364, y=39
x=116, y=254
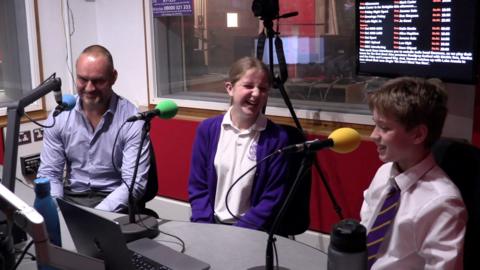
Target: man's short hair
x=99, y=50
x=412, y=102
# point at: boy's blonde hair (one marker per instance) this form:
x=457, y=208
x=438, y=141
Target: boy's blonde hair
x=412, y=102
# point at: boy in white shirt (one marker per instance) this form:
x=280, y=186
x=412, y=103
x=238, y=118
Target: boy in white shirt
x=414, y=214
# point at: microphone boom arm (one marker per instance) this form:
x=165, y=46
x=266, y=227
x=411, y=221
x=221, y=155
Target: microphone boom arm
x=14, y=111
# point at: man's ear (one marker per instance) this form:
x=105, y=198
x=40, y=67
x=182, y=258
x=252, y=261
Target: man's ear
x=420, y=134
x=229, y=88
x=114, y=76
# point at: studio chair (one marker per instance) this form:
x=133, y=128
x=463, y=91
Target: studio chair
x=461, y=162
x=151, y=188
x=296, y=219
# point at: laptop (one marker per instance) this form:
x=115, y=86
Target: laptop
x=102, y=238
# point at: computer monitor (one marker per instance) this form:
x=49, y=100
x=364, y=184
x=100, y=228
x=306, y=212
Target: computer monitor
x=437, y=38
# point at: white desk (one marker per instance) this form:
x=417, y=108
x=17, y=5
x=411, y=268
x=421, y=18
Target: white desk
x=223, y=247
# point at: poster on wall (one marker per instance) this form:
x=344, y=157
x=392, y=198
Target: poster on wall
x=162, y=8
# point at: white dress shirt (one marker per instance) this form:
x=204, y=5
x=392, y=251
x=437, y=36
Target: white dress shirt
x=429, y=227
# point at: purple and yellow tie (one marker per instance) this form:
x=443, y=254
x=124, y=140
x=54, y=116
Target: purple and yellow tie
x=382, y=224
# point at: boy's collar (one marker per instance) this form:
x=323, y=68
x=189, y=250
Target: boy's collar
x=409, y=177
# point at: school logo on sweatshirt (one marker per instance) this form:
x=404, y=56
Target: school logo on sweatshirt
x=252, y=152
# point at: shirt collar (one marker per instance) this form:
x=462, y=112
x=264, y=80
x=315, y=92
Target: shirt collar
x=259, y=125
x=112, y=106
x=409, y=177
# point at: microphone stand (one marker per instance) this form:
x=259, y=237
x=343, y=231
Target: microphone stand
x=269, y=254
x=278, y=82
x=143, y=225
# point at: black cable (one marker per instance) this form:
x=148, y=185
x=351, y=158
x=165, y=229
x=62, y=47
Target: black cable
x=309, y=246
x=132, y=206
x=146, y=129
x=238, y=179
x=113, y=154
x=37, y=123
x=275, y=252
x=144, y=225
x=23, y=255
x=23, y=182
x=129, y=187
x=32, y=120
x=32, y=256
x=182, y=243
x=49, y=78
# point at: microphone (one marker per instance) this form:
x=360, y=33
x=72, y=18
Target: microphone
x=57, y=93
x=342, y=140
x=67, y=103
x=165, y=109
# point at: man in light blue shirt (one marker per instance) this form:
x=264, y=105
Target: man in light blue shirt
x=81, y=142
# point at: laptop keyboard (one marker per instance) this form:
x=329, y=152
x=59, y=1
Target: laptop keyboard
x=143, y=263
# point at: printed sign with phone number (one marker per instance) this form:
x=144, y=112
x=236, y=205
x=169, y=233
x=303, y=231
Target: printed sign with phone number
x=172, y=8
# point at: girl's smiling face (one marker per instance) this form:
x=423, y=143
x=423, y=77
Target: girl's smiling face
x=249, y=95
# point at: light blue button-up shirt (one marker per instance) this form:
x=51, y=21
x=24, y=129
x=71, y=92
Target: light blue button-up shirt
x=87, y=154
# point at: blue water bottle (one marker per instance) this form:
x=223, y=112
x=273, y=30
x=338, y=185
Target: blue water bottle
x=46, y=206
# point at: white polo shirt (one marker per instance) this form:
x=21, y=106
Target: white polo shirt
x=236, y=153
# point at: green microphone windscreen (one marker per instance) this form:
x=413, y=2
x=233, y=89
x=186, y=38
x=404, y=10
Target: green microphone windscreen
x=167, y=109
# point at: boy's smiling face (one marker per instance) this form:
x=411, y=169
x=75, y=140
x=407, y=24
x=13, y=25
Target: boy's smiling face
x=395, y=143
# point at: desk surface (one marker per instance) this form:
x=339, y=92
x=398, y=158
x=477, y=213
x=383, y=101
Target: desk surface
x=222, y=246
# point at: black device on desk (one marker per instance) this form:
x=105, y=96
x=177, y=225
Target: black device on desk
x=99, y=237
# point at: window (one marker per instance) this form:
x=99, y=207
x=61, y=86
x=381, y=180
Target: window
x=193, y=50
x=18, y=56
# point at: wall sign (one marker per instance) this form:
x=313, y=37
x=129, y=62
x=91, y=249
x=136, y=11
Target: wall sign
x=163, y=8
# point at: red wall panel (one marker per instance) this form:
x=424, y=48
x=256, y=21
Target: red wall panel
x=172, y=142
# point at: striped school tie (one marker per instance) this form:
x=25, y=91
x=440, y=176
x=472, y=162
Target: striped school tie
x=382, y=224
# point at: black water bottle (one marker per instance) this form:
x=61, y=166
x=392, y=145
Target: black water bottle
x=348, y=246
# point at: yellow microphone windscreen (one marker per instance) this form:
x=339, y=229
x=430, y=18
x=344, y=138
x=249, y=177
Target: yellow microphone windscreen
x=345, y=140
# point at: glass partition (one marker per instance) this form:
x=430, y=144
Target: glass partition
x=194, y=48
